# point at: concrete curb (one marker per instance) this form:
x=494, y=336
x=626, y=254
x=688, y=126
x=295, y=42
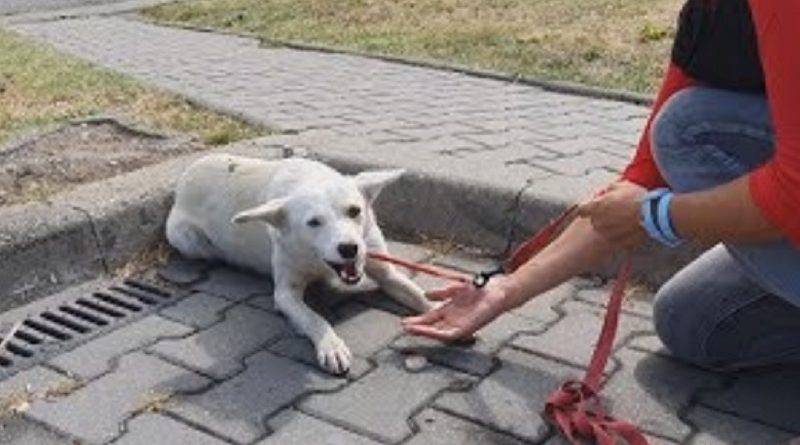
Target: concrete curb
x=90, y=230
x=96, y=228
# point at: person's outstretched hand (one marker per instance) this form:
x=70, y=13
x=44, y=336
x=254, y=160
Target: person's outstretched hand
x=465, y=310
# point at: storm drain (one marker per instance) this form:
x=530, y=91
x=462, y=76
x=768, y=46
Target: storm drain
x=65, y=326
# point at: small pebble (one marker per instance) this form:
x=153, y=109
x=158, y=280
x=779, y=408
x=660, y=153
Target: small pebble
x=416, y=363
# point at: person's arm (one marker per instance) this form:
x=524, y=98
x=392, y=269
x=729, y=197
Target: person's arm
x=642, y=169
x=725, y=213
x=578, y=249
x=468, y=308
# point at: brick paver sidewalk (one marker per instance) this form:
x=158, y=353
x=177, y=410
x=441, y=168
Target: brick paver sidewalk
x=221, y=367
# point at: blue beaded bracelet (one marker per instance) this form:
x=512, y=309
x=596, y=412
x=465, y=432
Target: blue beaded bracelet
x=655, y=217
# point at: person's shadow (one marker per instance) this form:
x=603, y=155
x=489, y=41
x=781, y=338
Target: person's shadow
x=760, y=406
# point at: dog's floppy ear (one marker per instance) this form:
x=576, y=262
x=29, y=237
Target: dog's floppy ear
x=272, y=213
x=371, y=183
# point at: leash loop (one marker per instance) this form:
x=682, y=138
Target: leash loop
x=481, y=279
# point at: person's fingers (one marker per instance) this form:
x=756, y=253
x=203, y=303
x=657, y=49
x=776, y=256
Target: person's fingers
x=448, y=292
x=427, y=318
x=439, y=333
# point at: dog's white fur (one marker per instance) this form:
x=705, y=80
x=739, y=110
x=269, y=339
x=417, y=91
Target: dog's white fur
x=288, y=218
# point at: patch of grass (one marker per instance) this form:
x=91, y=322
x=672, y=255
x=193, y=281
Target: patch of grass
x=39, y=87
x=19, y=402
x=609, y=43
x=154, y=402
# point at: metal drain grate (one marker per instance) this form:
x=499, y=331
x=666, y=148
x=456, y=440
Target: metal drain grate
x=71, y=323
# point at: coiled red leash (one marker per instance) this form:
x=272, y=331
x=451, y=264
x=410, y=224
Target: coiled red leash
x=575, y=408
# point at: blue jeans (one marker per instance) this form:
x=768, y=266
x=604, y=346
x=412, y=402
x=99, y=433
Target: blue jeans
x=736, y=306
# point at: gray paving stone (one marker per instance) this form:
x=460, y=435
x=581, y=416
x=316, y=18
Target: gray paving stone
x=567, y=190
x=576, y=146
x=464, y=358
x=650, y=391
x=182, y=271
x=438, y=428
x=437, y=131
x=237, y=407
x=151, y=429
x=33, y=383
x=430, y=282
x=233, y=284
x=768, y=396
x=543, y=307
x=412, y=252
x=652, y=440
x=500, y=331
x=263, y=302
x=295, y=428
x=366, y=330
x=511, y=398
x=637, y=302
x=92, y=359
x=573, y=130
x=20, y=431
x=198, y=310
x=465, y=262
x=648, y=343
x=380, y=403
x=572, y=339
x=581, y=164
x=472, y=357
x=218, y=351
x=299, y=348
x=139, y=380
x=716, y=428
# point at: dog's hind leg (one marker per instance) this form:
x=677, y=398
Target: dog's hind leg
x=189, y=239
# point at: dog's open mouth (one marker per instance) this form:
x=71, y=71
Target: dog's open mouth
x=346, y=271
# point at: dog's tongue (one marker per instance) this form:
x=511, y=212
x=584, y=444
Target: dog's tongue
x=349, y=270
x=348, y=273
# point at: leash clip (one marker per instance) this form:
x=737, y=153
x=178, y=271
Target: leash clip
x=481, y=279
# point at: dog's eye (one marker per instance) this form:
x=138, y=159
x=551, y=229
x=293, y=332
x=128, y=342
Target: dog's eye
x=314, y=222
x=353, y=212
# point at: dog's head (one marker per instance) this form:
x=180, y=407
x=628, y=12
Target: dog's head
x=327, y=226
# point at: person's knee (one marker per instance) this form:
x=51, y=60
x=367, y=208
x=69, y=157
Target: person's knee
x=669, y=129
x=675, y=324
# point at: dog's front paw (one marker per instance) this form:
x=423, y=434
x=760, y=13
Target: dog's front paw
x=333, y=355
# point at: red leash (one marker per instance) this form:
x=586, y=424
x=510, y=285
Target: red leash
x=447, y=274
x=574, y=408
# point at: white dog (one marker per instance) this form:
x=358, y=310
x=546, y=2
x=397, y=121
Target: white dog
x=295, y=219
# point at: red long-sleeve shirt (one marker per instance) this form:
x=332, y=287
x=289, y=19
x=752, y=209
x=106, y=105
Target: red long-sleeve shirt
x=774, y=186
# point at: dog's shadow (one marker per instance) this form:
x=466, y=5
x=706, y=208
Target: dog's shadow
x=244, y=290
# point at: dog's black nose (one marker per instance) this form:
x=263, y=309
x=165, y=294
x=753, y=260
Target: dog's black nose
x=348, y=250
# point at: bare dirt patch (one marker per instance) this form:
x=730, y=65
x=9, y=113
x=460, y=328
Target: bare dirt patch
x=79, y=153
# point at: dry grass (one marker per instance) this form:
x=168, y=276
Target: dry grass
x=18, y=402
x=610, y=43
x=39, y=87
x=154, y=403
x=145, y=260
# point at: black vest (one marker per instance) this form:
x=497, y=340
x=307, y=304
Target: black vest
x=717, y=45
